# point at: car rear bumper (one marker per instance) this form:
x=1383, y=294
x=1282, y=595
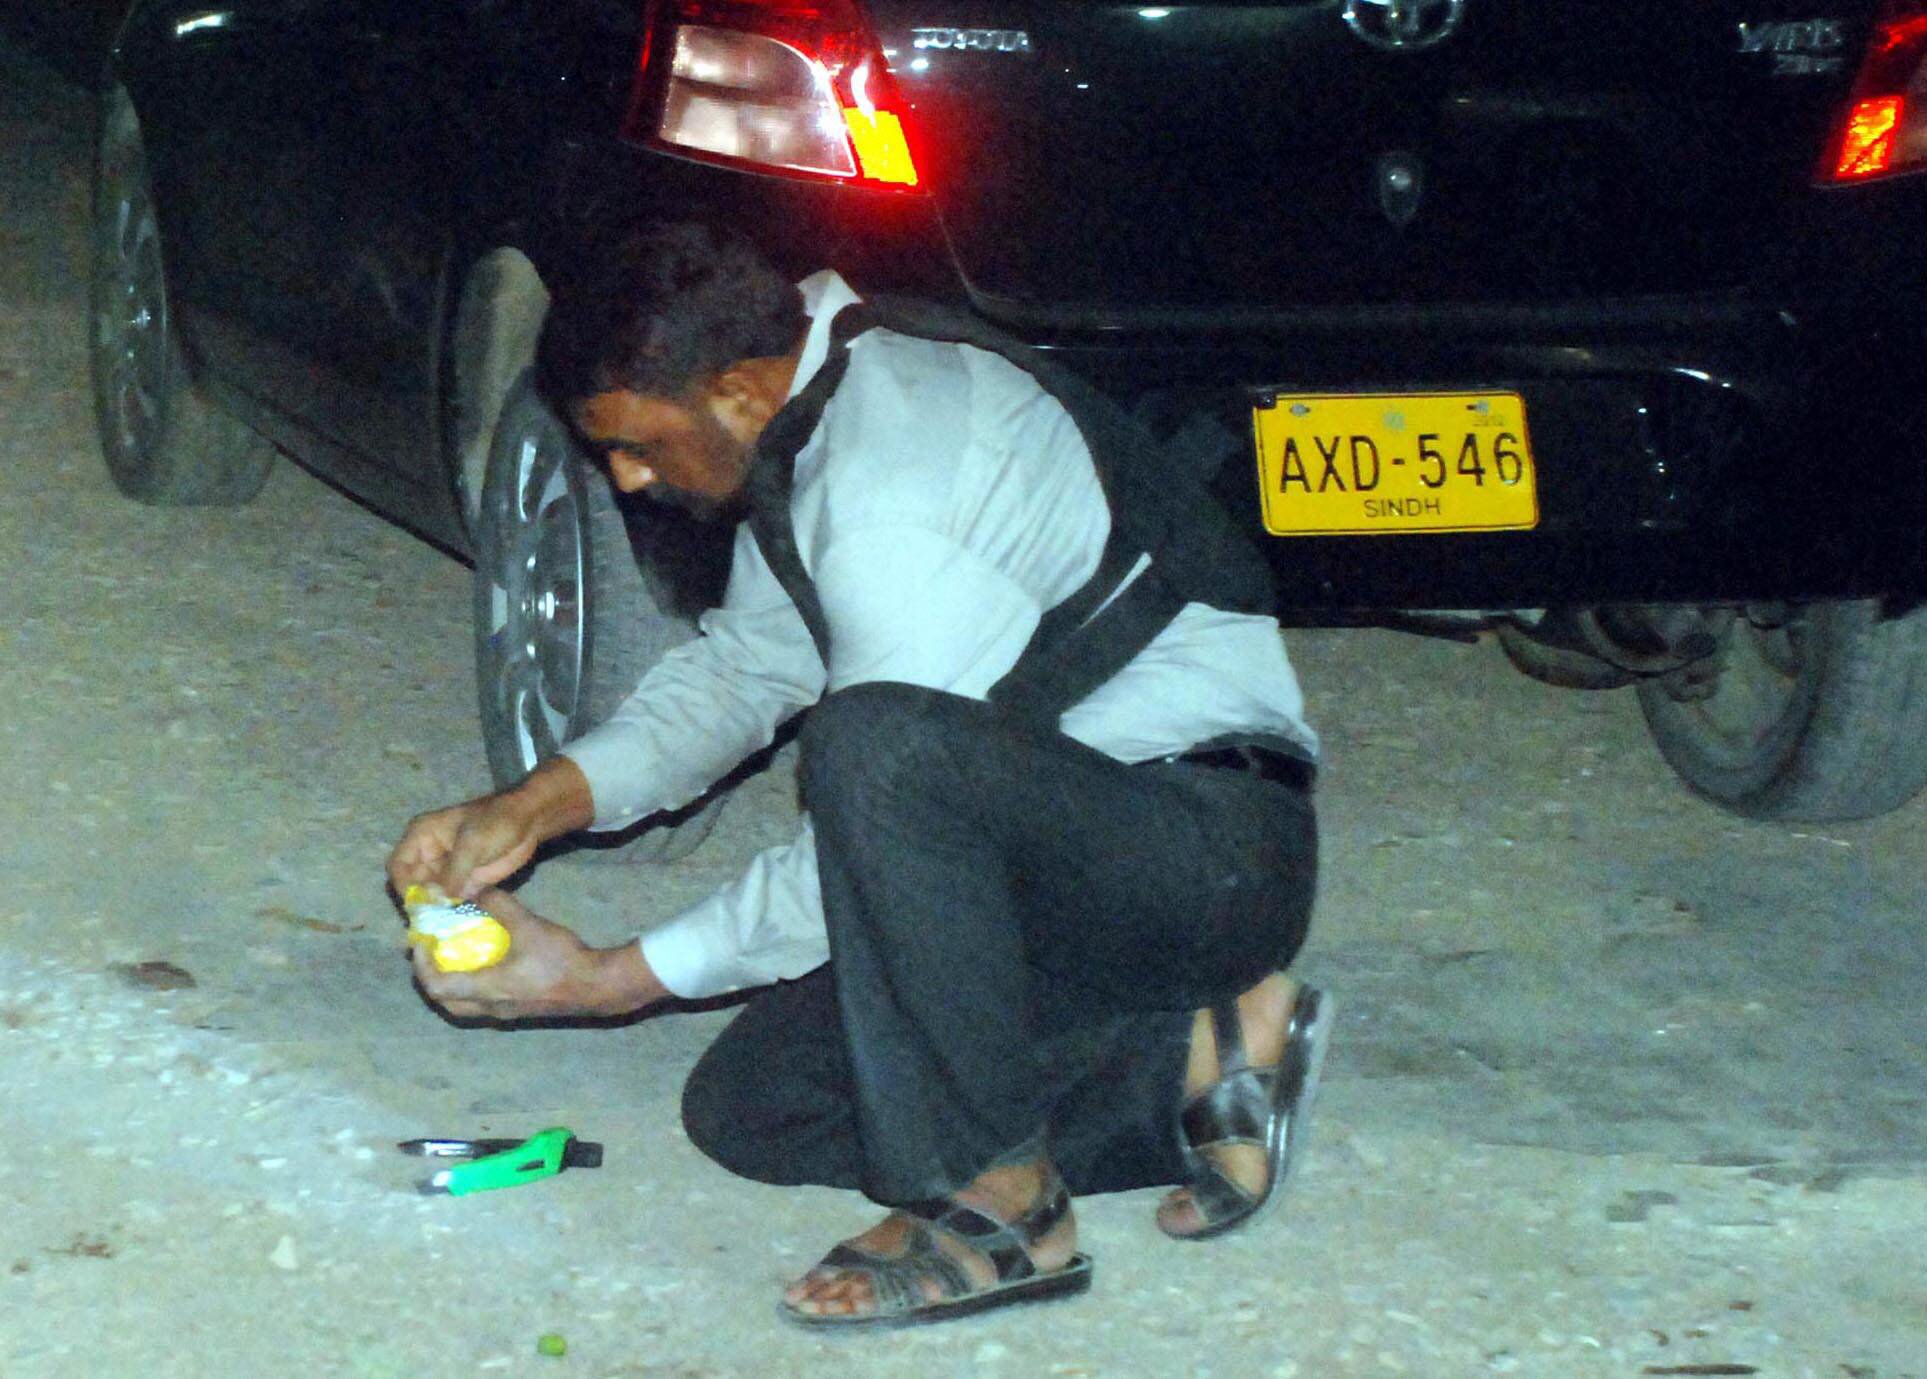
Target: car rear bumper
x=1746, y=455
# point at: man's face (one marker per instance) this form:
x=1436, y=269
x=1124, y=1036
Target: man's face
x=675, y=450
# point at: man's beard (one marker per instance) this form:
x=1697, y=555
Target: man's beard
x=702, y=508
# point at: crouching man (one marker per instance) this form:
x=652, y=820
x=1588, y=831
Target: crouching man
x=1059, y=845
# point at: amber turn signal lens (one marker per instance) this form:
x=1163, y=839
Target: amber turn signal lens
x=880, y=146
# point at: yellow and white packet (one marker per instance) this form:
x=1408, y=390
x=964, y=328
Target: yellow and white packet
x=460, y=936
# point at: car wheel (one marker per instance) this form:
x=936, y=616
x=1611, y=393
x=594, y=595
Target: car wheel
x=567, y=615
x=1818, y=714
x=164, y=442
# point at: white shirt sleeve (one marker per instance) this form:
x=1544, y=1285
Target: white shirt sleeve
x=765, y=926
x=707, y=704
x=910, y=605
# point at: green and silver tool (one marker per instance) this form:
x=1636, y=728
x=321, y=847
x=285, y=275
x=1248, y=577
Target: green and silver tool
x=501, y=1163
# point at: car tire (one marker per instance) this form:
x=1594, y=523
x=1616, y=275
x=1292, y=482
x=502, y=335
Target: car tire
x=576, y=595
x=165, y=442
x=1822, y=717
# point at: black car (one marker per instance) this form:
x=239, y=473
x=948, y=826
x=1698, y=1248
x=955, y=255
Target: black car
x=1600, y=324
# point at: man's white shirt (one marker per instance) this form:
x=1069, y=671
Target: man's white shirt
x=944, y=502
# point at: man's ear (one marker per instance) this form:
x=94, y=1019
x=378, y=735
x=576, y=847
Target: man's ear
x=745, y=395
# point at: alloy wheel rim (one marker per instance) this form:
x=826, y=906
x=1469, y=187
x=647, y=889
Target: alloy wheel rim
x=537, y=628
x=132, y=327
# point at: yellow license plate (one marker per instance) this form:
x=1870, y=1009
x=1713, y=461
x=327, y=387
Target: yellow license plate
x=1382, y=464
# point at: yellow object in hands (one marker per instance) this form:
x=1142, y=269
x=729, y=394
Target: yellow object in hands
x=460, y=936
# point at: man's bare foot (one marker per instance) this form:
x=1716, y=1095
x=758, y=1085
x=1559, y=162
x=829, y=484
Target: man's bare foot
x=1006, y=1194
x=1264, y=1016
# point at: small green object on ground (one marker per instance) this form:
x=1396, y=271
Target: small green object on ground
x=502, y=1163
x=552, y=1344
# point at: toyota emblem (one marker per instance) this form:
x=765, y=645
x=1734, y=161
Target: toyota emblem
x=1404, y=25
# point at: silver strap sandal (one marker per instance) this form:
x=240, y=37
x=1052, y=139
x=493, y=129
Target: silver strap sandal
x=1266, y=1107
x=899, y=1283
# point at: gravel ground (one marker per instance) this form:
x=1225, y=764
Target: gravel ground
x=1622, y=1086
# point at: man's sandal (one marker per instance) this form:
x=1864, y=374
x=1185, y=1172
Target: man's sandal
x=897, y=1282
x=1267, y=1107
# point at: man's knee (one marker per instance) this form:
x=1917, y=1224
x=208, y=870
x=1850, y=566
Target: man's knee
x=769, y=1099
x=783, y=1145
x=705, y=1109
x=719, y=1119
x=882, y=732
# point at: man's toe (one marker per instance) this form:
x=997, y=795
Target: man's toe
x=830, y=1291
x=842, y=1296
x=1178, y=1213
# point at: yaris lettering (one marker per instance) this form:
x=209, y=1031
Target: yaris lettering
x=1800, y=47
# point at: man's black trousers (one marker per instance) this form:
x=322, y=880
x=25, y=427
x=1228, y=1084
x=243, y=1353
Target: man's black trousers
x=1020, y=929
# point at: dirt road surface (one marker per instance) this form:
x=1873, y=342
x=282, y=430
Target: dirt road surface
x=1622, y=1086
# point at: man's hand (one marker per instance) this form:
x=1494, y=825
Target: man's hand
x=465, y=847
x=468, y=847
x=549, y=973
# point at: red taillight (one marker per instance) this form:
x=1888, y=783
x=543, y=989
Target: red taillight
x=1867, y=145
x=1885, y=129
x=786, y=85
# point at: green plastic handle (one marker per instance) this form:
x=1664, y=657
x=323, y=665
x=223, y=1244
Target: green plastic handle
x=539, y=1156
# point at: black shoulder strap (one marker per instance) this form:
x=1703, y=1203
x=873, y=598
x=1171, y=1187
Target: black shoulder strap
x=1055, y=673
x=772, y=478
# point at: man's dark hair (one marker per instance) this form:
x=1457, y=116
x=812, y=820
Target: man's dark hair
x=661, y=309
